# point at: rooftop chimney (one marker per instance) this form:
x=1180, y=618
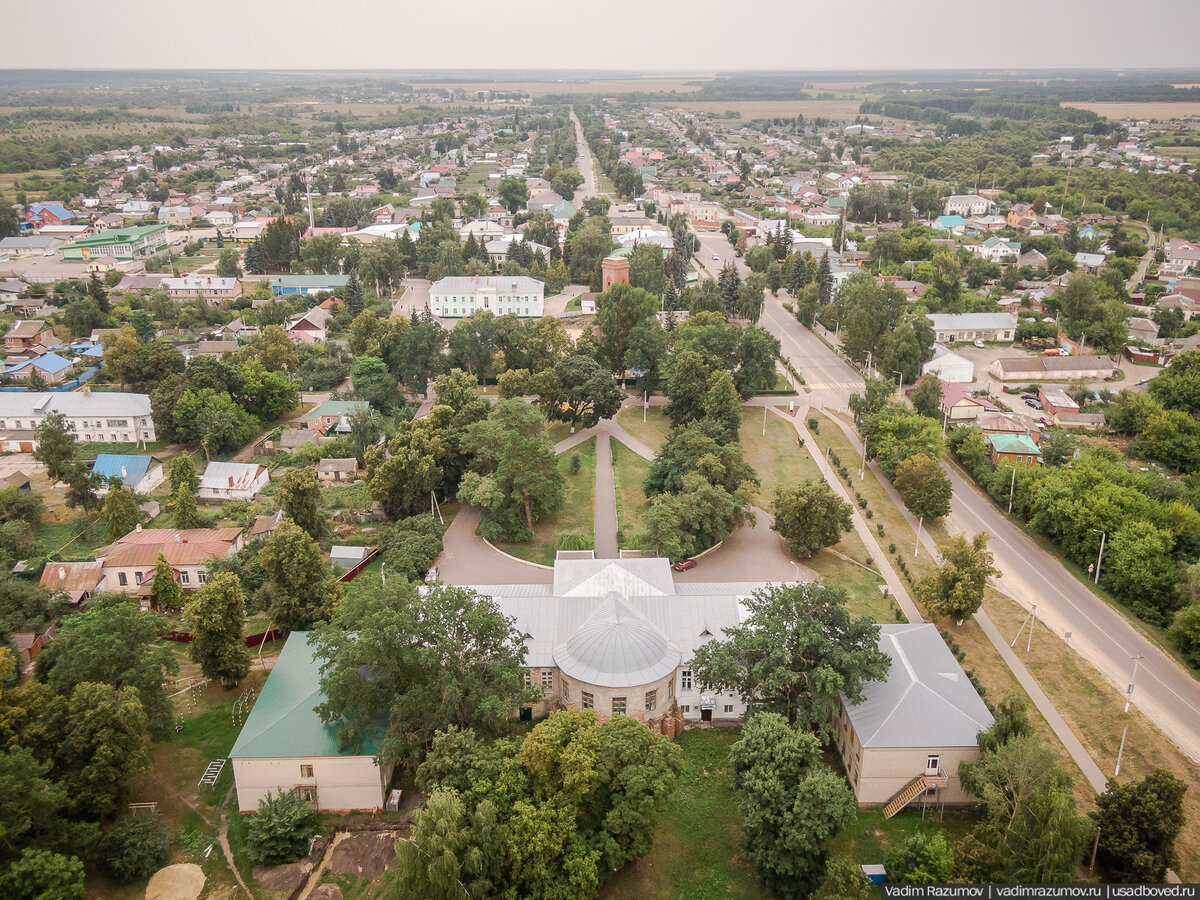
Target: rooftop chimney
x=124, y=474
x=62, y=573
x=137, y=527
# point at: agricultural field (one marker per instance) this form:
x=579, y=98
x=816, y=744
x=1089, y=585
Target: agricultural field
x=1155, y=111
x=766, y=109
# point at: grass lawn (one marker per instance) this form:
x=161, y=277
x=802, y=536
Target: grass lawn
x=696, y=846
x=73, y=540
x=870, y=836
x=629, y=471
x=779, y=461
x=153, y=448
x=559, y=431
x=576, y=514
x=651, y=433
x=575, y=303
x=345, y=496
x=861, y=584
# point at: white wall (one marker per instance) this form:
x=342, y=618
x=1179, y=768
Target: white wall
x=341, y=782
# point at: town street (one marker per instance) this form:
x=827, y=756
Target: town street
x=1165, y=692
x=585, y=164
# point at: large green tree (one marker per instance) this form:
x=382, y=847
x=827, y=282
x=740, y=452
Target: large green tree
x=620, y=311
x=810, y=516
x=404, y=472
x=121, y=513
x=956, y=587
x=300, y=499
x=215, y=616
x=56, y=445
x=300, y=590
x=184, y=484
x=791, y=803
x=923, y=486
x=1139, y=823
x=796, y=651
x=422, y=663
x=578, y=390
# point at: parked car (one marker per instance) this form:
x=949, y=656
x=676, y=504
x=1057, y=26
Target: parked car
x=684, y=564
x=1035, y=403
x=980, y=345
x=716, y=257
x=1028, y=396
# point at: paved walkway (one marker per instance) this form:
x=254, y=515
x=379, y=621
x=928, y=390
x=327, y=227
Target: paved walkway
x=605, y=528
x=468, y=560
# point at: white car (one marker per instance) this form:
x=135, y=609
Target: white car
x=980, y=345
x=717, y=258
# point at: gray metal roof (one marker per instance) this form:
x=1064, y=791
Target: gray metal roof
x=975, y=321
x=616, y=647
x=35, y=404
x=598, y=577
x=927, y=699
x=505, y=284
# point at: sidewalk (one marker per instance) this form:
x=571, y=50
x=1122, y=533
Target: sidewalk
x=605, y=502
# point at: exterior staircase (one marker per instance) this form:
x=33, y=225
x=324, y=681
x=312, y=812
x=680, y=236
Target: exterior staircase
x=912, y=791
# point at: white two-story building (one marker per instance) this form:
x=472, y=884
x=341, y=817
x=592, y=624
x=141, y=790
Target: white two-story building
x=503, y=295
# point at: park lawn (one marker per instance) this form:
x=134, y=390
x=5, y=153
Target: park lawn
x=558, y=431
x=1092, y=707
x=860, y=583
x=152, y=448
x=574, y=304
x=696, y=853
x=870, y=835
x=629, y=471
x=653, y=431
x=576, y=514
x=777, y=458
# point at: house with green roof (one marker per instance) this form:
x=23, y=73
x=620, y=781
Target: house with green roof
x=1012, y=448
x=284, y=747
x=334, y=414
x=119, y=243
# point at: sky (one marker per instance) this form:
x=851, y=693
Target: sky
x=695, y=35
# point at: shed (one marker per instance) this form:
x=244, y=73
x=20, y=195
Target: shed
x=347, y=557
x=337, y=469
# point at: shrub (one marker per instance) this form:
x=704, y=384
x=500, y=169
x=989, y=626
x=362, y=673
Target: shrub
x=136, y=847
x=870, y=513
x=921, y=859
x=814, y=426
x=574, y=540
x=892, y=549
x=879, y=528
x=574, y=464
x=280, y=830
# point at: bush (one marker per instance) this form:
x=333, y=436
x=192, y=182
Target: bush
x=574, y=540
x=879, y=528
x=136, y=847
x=870, y=513
x=574, y=464
x=1185, y=632
x=280, y=830
x=921, y=859
x=892, y=549
x=814, y=426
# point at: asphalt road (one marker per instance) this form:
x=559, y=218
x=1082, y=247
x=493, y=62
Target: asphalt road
x=585, y=164
x=1165, y=692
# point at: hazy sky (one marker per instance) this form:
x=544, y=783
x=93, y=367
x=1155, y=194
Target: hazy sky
x=697, y=35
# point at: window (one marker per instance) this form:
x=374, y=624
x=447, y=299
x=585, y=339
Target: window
x=671, y=689
x=686, y=709
x=585, y=700
x=202, y=576
x=308, y=795
x=122, y=579
x=137, y=576
x=685, y=680
x=547, y=680
x=728, y=707
x=566, y=690
x=618, y=706
x=528, y=678
x=183, y=577
x=306, y=772
x=651, y=700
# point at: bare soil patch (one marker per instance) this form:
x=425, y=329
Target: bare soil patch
x=180, y=882
x=366, y=855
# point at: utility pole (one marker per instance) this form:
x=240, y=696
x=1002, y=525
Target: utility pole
x=764, y=434
x=920, y=522
x=1132, y=681
x=1012, y=490
x=1100, y=557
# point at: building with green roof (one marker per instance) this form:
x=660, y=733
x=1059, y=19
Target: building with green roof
x=1020, y=448
x=119, y=243
x=284, y=747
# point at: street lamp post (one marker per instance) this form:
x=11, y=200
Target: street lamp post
x=1132, y=681
x=797, y=568
x=900, y=389
x=1100, y=557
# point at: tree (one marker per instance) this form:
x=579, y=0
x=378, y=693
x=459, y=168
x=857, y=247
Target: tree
x=1139, y=823
x=100, y=745
x=300, y=499
x=923, y=486
x=143, y=327
x=280, y=829
x=184, y=485
x=265, y=394
x=895, y=435
x=926, y=397
x=215, y=616
x=1185, y=632
x=646, y=269
x=693, y=450
x=299, y=591
x=515, y=475
x=620, y=311
x=791, y=803
x=121, y=353
x=212, y=421
x=443, y=859
x=43, y=875
x=578, y=391
x=136, y=847
x=167, y=591
x=794, y=653
x=751, y=296
x=956, y=587
x=513, y=193
x=404, y=472
x=228, y=265
x=121, y=513
x=921, y=859
x=55, y=439
x=844, y=880
x=810, y=516
x=354, y=294
x=426, y=663
x=97, y=294
x=722, y=408
x=687, y=387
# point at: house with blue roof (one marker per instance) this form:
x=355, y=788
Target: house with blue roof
x=52, y=367
x=286, y=747
x=40, y=214
x=141, y=474
x=954, y=224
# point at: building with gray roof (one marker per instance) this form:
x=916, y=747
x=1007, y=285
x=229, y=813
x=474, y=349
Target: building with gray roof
x=904, y=740
x=457, y=296
x=97, y=416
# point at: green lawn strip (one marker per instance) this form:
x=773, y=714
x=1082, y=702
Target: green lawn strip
x=576, y=514
x=777, y=458
x=696, y=846
x=151, y=448
x=652, y=432
x=574, y=304
x=861, y=584
x=629, y=471
x=559, y=431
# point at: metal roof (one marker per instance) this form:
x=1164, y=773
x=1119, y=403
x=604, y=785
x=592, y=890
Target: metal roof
x=283, y=721
x=35, y=404
x=972, y=321
x=616, y=647
x=230, y=475
x=129, y=468
x=926, y=700
x=505, y=284
x=599, y=577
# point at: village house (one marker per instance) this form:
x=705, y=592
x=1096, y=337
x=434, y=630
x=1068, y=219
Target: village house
x=101, y=417
x=28, y=335
x=77, y=581
x=950, y=327
x=331, y=470
x=967, y=205
x=285, y=746
x=40, y=214
x=141, y=474
x=904, y=740
x=949, y=366
x=459, y=296
x=333, y=414
x=213, y=289
x=1012, y=448
x=1056, y=400
x=1006, y=423
x=127, y=565
x=1053, y=368
x=958, y=403
x=997, y=249
x=233, y=481
x=309, y=327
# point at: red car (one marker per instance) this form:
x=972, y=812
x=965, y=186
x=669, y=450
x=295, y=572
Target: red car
x=684, y=564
